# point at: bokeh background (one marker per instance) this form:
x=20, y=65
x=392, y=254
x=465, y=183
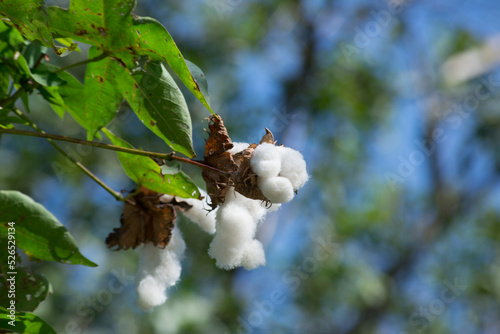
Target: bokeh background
x=395, y=107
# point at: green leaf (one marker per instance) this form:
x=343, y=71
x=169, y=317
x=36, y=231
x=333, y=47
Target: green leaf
x=51, y=95
x=30, y=18
x=110, y=26
x=71, y=95
x=4, y=81
x=31, y=288
x=144, y=171
x=32, y=53
x=26, y=323
x=200, y=78
x=38, y=232
x=26, y=102
x=13, y=37
x=102, y=97
x=171, y=168
x=68, y=42
x=158, y=102
x=22, y=65
x=6, y=121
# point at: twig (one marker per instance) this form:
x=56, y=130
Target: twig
x=113, y=193
x=90, y=60
x=165, y=156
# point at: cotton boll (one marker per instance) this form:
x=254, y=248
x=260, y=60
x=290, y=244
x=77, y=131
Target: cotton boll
x=257, y=209
x=238, y=147
x=235, y=228
x=150, y=293
x=277, y=189
x=293, y=167
x=199, y=214
x=158, y=270
x=253, y=255
x=266, y=160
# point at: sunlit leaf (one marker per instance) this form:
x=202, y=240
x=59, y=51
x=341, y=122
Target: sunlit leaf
x=37, y=230
x=158, y=102
x=26, y=323
x=144, y=171
x=110, y=26
x=30, y=18
x=101, y=94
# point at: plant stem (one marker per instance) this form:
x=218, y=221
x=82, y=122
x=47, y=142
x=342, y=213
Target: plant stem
x=40, y=132
x=90, y=60
x=165, y=156
x=4, y=104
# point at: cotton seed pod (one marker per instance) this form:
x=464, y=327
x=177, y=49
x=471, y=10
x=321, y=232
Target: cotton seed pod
x=277, y=189
x=266, y=160
x=293, y=167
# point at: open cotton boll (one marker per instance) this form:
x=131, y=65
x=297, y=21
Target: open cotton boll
x=235, y=228
x=293, y=167
x=238, y=147
x=158, y=270
x=253, y=255
x=277, y=189
x=266, y=160
x=199, y=214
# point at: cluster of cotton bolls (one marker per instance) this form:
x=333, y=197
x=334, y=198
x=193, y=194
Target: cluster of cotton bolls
x=160, y=268
x=281, y=172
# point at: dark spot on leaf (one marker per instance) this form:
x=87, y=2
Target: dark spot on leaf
x=99, y=78
x=80, y=32
x=152, y=123
x=102, y=31
x=196, y=87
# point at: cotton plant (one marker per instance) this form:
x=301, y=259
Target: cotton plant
x=244, y=183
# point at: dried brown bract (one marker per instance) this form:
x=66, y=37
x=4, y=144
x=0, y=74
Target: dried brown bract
x=149, y=220
x=237, y=165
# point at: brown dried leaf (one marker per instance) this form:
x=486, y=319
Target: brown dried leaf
x=218, y=140
x=148, y=220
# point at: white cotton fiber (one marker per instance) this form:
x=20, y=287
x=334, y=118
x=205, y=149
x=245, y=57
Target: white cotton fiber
x=238, y=147
x=266, y=160
x=253, y=255
x=277, y=189
x=165, y=198
x=158, y=270
x=199, y=213
x=235, y=227
x=293, y=167
x=256, y=208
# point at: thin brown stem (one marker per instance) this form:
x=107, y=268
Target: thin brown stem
x=165, y=156
x=113, y=193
